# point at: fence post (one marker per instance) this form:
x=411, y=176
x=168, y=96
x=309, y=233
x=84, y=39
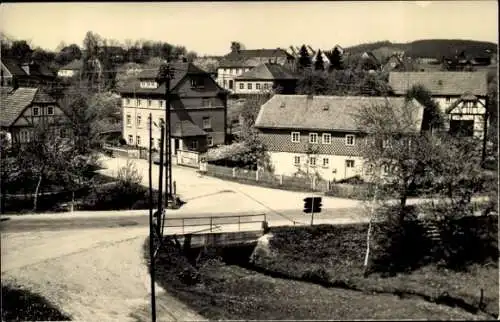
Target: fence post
x=234, y=172
x=257, y=175
x=281, y=179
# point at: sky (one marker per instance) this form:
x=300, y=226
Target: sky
x=209, y=27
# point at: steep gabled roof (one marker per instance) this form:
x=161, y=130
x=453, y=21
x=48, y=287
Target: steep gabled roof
x=13, y=66
x=14, y=103
x=441, y=83
x=268, y=71
x=181, y=70
x=328, y=113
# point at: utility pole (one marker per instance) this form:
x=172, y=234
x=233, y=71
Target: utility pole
x=166, y=74
x=151, y=232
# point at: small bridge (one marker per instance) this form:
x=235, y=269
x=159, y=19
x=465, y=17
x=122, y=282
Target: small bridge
x=225, y=231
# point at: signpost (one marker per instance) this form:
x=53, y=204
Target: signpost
x=312, y=205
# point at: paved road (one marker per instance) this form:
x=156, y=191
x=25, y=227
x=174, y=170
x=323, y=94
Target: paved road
x=84, y=220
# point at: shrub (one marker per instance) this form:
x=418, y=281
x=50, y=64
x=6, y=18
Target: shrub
x=189, y=276
x=317, y=276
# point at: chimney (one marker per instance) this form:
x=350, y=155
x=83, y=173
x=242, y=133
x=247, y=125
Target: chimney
x=26, y=68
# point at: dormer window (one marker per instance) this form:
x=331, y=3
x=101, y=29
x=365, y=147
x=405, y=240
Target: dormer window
x=196, y=82
x=148, y=84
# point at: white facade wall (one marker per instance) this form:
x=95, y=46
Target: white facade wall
x=479, y=109
x=254, y=88
x=66, y=73
x=336, y=169
x=136, y=129
x=225, y=74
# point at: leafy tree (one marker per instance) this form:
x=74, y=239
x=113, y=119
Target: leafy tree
x=304, y=58
x=90, y=71
x=433, y=117
x=191, y=56
x=236, y=46
x=319, y=64
x=250, y=111
x=316, y=83
x=21, y=50
x=41, y=56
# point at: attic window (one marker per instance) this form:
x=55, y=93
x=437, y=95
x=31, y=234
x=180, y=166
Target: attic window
x=282, y=105
x=440, y=82
x=326, y=108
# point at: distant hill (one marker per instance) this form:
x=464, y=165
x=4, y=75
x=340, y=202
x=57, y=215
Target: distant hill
x=432, y=48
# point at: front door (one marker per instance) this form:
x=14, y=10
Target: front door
x=349, y=169
x=176, y=146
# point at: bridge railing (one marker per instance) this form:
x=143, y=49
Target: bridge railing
x=210, y=223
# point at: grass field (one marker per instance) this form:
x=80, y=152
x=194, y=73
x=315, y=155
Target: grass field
x=288, y=285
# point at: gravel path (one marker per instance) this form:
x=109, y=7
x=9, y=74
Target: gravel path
x=92, y=275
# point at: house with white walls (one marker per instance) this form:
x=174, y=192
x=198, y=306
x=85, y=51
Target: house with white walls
x=462, y=97
x=319, y=134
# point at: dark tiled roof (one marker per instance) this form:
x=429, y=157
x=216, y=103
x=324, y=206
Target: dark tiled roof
x=268, y=71
x=441, y=83
x=76, y=64
x=186, y=128
x=14, y=67
x=330, y=113
x=14, y=103
x=181, y=70
x=252, y=57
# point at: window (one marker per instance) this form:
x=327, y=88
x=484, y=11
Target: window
x=139, y=120
x=36, y=111
x=210, y=141
x=50, y=110
x=130, y=139
x=448, y=99
x=138, y=102
x=326, y=161
x=138, y=140
x=312, y=161
x=469, y=104
x=249, y=86
x=295, y=137
x=129, y=120
x=257, y=86
x=313, y=138
x=194, y=144
x=266, y=86
x=149, y=103
x=128, y=101
x=231, y=84
x=242, y=85
x=349, y=140
x=196, y=82
x=327, y=138
x=161, y=103
x=296, y=160
x=224, y=82
x=349, y=163
x=207, y=124
x=24, y=136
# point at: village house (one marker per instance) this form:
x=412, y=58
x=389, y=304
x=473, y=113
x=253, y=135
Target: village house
x=462, y=97
x=317, y=134
x=198, y=108
x=266, y=77
x=23, y=109
x=72, y=69
x=30, y=74
x=236, y=63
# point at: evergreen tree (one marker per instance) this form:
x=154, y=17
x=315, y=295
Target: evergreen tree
x=319, y=64
x=304, y=58
x=335, y=59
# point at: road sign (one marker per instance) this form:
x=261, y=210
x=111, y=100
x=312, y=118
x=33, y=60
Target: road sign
x=312, y=205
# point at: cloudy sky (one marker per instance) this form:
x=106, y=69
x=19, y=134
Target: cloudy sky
x=209, y=27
